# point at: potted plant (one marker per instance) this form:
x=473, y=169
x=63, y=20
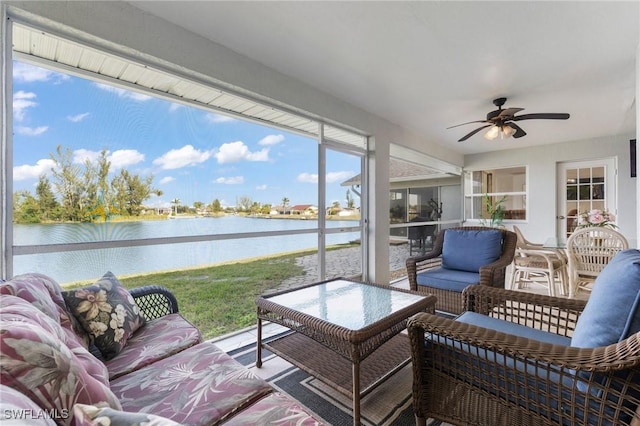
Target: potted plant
x=495, y=211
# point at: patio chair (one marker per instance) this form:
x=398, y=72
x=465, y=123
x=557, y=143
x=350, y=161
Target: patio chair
x=461, y=257
x=530, y=359
x=532, y=262
x=418, y=236
x=589, y=250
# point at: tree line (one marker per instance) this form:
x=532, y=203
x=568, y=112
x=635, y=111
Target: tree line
x=88, y=192
x=85, y=192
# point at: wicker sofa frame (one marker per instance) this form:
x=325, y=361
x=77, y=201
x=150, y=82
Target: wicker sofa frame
x=469, y=375
x=492, y=275
x=154, y=301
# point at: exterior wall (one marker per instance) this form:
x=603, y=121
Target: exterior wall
x=542, y=161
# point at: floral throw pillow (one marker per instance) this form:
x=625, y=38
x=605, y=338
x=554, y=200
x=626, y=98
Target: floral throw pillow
x=107, y=312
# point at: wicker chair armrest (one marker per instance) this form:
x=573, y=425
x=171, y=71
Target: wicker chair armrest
x=548, y=313
x=606, y=359
x=493, y=273
x=546, y=253
x=419, y=259
x=154, y=301
x=427, y=261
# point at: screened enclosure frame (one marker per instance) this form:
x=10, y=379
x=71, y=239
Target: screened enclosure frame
x=190, y=89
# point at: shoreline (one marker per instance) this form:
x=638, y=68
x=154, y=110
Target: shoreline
x=297, y=253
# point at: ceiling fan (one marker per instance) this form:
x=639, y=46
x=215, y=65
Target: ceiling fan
x=501, y=122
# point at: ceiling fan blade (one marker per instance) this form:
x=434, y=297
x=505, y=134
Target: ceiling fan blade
x=468, y=135
x=509, y=112
x=542, y=115
x=519, y=132
x=470, y=122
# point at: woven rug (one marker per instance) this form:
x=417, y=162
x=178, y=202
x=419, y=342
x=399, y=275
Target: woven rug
x=387, y=405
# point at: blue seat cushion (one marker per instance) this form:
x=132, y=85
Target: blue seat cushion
x=447, y=279
x=469, y=250
x=612, y=312
x=512, y=328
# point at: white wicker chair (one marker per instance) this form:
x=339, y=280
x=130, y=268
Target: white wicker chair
x=589, y=250
x=532, y=261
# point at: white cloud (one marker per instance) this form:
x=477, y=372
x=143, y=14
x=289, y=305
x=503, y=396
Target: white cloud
x=166, y=180
x=233, y=152
x=125, y=157
x=122, y=93
x=21, y=102
x=185, y=156
x=271, y=140
x=80, y=156
x=26, y=73
x=331, y=177
x=219, y=118
x=175, y=106
x=339, y=176
x=78, y=117
x=308, y=178
x=27, y=171
x=31, y=131
x=261, y=187
x=233, y=180
x=118, y=159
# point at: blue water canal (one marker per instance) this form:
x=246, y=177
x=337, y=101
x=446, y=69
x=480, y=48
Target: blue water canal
x=91, y=264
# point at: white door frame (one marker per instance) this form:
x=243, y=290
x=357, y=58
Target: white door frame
x=610, y=187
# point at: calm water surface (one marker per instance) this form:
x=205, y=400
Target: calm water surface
x=91, y=264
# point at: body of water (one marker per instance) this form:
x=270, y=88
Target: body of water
x=91, y=264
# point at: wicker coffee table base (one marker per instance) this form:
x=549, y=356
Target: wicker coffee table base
x=353, y=379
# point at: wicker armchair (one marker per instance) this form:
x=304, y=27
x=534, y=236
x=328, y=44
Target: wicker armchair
x=509, y=360
x=589, y=250
x=532, y=261
x=420, y=268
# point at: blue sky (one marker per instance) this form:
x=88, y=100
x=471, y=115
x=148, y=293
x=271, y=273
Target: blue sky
x=194, y=155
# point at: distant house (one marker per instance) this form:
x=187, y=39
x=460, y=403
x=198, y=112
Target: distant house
x=299, y=209
x=304, y=209
x=349, y=212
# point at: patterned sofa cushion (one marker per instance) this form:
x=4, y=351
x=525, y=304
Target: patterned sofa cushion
x=16, y=309
x=16, y=408
x=200, y=385
x=36, y=361
x=89, y=415
x=45, y=294
x=107, y=312
x=275, y=409
x=156, y=340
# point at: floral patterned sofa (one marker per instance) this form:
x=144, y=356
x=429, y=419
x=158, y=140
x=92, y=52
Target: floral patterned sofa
x=147, y=363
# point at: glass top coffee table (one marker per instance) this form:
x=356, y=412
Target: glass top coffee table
x=346, y=333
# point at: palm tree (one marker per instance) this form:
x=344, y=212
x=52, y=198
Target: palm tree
x=176, y=203
x=285, y=202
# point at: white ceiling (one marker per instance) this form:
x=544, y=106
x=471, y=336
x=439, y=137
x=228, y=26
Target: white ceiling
x=428, y=65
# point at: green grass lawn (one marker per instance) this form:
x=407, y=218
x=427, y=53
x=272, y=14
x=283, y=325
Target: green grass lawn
x=221, y=299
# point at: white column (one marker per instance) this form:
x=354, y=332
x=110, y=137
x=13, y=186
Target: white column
x=378, y=211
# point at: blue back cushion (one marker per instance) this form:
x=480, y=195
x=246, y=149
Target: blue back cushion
x=468, y=250
x=613, y=311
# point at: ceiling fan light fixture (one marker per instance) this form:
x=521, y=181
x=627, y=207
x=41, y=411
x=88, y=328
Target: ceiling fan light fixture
x=507, y=132
x=492, y=133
